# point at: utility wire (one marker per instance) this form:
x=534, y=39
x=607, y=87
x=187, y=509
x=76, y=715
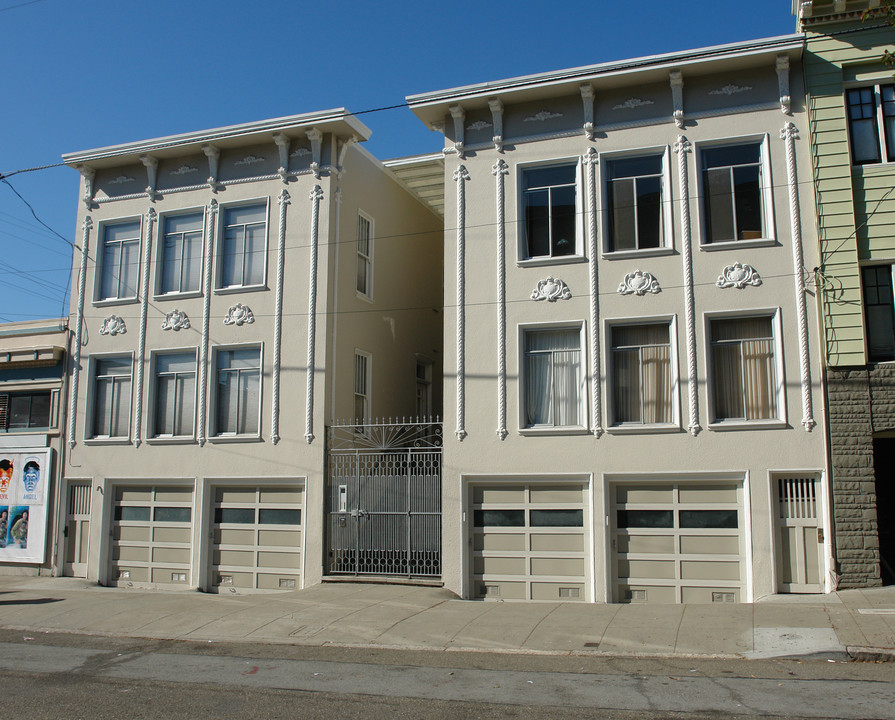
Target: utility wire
x=61, y=237
x=13, y=7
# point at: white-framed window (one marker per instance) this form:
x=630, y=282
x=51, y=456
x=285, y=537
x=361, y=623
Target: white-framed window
x=736, y=191
x=550, y=207
x=552, y=391
x=174, y=401
x=243, y=252
x=879, y=312
x=636, y=201
x=423, y=387
x=746, y=366
x=181, y=253
x=364, y=283
x=111, y=397
x=119, y=261
x=643, y=374
x=237, y=391
x=29, y=410
x=871, y=123
x=363, y=373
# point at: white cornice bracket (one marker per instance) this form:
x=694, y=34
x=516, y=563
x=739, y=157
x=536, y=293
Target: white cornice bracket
x=783, y=84
x=88, y=173
x=677, y=96
x=587, y=98
x=316, y=138
x=496, y=106
x=213, y=154
x=459, y=116
x=343, y=151
x=282, y=140
x=151, y=165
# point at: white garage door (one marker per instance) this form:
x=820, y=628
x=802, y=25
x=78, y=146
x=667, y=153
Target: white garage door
x=529, y=542
x=257, y=538
x=678, y=542
x=151, y=535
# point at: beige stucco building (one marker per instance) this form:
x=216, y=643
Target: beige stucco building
x=633, y=409
x=235, y=290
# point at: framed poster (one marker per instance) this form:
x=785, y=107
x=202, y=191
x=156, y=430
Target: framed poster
x=24, y=478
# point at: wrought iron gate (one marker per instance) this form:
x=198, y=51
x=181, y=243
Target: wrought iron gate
x=384, y=499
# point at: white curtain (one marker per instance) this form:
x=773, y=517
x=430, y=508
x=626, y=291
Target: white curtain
x=745, y=382
x=642, y=374
x=552, y=377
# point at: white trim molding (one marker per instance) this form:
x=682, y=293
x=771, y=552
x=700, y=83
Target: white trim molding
x=551, y=289
x=151, y=165
x=639, y=283
x=591, y=160
x=89, y=174
x=213, y=153
x=459, y=116
x=783, y=84
x=239, y=315
x=210, y=215
x=738, y=276
x=284, y=200
x=496, y=107
x=79, y=330
x=587, y=101
x=113, y=325
x=176, y=320
x=282, y=141
x=676, y=78
x=461, y=176
x=500, y=170
x=315, y=197
x=151, y=216
x=316, y=138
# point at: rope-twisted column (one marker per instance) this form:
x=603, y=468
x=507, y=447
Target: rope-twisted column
x=682, y=147
x=141, y=344
x=461, y=176
x=789, y=134
x=284, y=199
x=590, y=161
x=210, y=217
x=315, y=196
x=79, y=330
x=500, y=171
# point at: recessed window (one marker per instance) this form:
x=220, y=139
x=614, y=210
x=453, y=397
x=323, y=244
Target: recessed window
x=549, y=207
x=182, y=253
x=119, y=261
x=634, y=202
x=175, y=394
x=732, y=192
x=744, y=369
x=111, y=397
x=238, y=394
x=642, y=387
x=244, y=246
x=879, y=312
x=362, y=370
x=871, y=123
x=364, y=256
x=423, y=388
x=26, y=411
x=552, y=378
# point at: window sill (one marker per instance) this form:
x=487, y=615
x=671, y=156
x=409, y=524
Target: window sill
x=560, y=430
x=748, y=425
x=634, y=429
x=178, y=295
x=161, y=440
x=233, y=289
x=629, y=254
x=235, y=438
x=737, y=244
x=106, y=302
x=541, y=262
x=363, y=296
x=107, y=441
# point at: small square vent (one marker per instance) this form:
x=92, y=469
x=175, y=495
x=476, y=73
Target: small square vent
x=489, y=590
x=225, y=579
x=124, y=574
x=636, y=595
x=287, y=583
x=569, y=592
x=723, y=597
x=178, y=577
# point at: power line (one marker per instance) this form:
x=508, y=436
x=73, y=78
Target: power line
x=61, y=237
x=13, y=7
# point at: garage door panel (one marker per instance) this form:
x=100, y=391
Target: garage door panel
x=646, y=544
x=133, y=494
x=644, y=494
x=665, y=569
x=570, y=494
x=230, y=536
x=499, y=541
x=169, y=575
x=288, y=497
x=138, y=574
x=177, y=495
x=562, y=567
x=709, y=570
x=566, y=592
x=171, y=555
x=171, y=534
x=503, y=590
x=280, y=538
x=706, y=595
x=278, y=581
x=703, y=494
x=499, y=565
x=648, y=593
x=131, y=533
x=555, y=542
x=710, y=544
x=129, y=553
x=498, y=495
x=279, y=560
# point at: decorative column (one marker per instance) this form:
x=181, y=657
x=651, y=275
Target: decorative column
x=202, y=424
x=591, y=159
x=79, y=329
x=315, y=196
x=460, y=177
x=141, y=346
x=284, y=199
x=500, y=171
x=788, y=134
x=682, y=147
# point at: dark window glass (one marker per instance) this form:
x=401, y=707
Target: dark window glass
x=635, y=203
x=645, y=519
x=172, y=514
x=234, y=515
x=862, y=127
x=549, y=197
x=708, y=519
x=129, y=513
x=879, y=312
x=31, y=410
x=887, y=95
x=732, y=185
x=274, y=516
x=499, y=518
x=557, y=518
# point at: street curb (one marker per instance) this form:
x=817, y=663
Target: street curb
x=870, y=654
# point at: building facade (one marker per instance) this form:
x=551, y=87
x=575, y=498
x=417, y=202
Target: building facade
x=851, y=100
x=236, y=289
x=633, y=405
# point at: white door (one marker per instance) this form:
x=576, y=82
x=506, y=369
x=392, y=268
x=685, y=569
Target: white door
x=77, y=529
x=799, y=535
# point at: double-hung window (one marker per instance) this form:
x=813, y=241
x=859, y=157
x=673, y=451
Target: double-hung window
x=871, y=123
x=362, y=378
x=111, y=397
x=175, y=394
x=642, y=383
x=364, y=256
x=244, y=247
x=549, y=206
x=27, y=410
x=119, y=261
x=634, y=194
x=552, y=385
x=238, y=397
x=732, y=187
x=423, y=388
x=182, y=253
x=879, y=312
x=745, y=385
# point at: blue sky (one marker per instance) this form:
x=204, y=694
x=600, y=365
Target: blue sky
x=80, y=75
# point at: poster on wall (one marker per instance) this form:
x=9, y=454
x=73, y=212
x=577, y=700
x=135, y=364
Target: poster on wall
x=24, y=476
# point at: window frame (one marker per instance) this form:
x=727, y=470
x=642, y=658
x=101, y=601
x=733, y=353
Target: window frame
x=53, y=410
x=766, y=193
x=581, y=427
x=423, y=384
x=366, y=394
x=91, y=415
x=368, y=295
x=100, y=269
x=579, y=255
x=864, y=305
x=152, y=405
x=780, y=421
x=615, y=427
x=219, y=288
x=159, y=292
x=666, y=215
x=214, y=432
x=882, y=136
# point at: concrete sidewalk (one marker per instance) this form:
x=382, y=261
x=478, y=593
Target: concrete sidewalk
x=848, y=624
